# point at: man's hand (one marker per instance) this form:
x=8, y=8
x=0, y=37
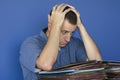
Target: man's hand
x=79, y=22
x=92, y=50
x=57, y=16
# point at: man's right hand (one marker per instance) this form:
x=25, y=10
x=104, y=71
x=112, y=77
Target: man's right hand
x=57, y=16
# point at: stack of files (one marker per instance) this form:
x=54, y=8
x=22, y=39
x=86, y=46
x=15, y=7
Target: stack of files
x=113, y=71
x=84, y=65
x=90, y=70
x=88, y=74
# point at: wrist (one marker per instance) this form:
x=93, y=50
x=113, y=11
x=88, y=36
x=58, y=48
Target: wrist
x=79, y=25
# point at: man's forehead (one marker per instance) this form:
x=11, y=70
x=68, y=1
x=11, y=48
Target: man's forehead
x=68, y=28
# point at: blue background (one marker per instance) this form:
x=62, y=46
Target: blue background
x=20, y=19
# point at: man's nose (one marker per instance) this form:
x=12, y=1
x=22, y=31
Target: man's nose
x=68, y=38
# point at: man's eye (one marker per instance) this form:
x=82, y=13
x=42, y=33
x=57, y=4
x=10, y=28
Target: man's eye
x=71, y=34
x=64, y=32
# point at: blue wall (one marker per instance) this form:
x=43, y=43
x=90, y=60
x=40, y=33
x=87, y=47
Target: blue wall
x=20, y=19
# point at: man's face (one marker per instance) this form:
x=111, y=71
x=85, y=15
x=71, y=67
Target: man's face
x=66, y=33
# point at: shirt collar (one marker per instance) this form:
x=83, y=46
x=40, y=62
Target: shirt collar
x=43, y=35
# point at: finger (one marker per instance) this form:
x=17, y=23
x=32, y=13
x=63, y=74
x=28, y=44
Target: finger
x=60, y=7
x=79, y=20
x=67, y=10
x=54, y=8
x=70, y=6
x=76, y=12
x=64, y=7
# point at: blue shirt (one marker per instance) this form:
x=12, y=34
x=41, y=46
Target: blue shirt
x=31, y=48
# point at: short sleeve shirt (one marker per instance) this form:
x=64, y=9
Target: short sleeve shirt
x=31, y=48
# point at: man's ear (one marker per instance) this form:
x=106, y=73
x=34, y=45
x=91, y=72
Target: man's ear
x=49, y=23
x=49, y=20
x=49, y=26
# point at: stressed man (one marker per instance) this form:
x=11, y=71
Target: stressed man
x=56, y=46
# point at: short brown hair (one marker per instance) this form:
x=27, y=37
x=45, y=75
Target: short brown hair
x=70, y=16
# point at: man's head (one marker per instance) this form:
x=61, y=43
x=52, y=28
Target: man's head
x=70, y=16
x=68, y=27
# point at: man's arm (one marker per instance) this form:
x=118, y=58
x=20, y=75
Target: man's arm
x=92, y=50
x=49, y=53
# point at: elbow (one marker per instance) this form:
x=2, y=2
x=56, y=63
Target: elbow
x=44, y=66
x=47, y=67
x=99, y=59
x=95, y=58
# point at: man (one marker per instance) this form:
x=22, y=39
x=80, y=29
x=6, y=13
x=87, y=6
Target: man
x=55, y=46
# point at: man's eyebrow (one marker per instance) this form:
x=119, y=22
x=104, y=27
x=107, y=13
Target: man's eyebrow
x=66, y=30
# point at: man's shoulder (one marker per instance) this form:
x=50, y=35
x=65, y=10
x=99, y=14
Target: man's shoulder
x=75, y=39
x=32, y=38
x=35, y=39
x=76, y=42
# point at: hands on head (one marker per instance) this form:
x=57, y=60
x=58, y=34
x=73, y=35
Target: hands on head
x=57, y=16
x=59, y=35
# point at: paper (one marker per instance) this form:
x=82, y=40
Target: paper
x=87, y=70
x=68, y=71
x=55, y=72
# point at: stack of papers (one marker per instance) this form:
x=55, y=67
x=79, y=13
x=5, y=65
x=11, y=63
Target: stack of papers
x=97, y=70
x=55, y=72
x=69, y=72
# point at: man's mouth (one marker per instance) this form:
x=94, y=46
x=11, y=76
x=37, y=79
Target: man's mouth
x=65, y=43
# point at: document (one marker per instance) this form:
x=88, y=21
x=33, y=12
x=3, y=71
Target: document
x=69, y=72
x=55, y=72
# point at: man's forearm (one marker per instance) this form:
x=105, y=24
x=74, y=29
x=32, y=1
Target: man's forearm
x=49, y=54
x=92, y=50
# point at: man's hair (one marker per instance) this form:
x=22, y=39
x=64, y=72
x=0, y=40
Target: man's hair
x=70, y=16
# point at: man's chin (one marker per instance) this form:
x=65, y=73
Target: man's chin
x=63, y=45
